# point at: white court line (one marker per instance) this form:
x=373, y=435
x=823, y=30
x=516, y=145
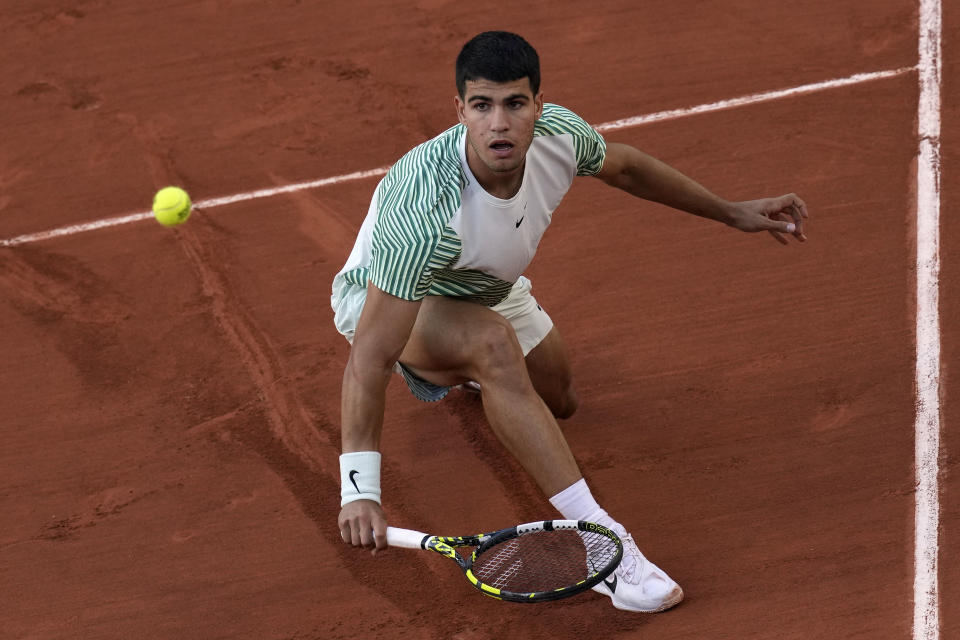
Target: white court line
x=754, y=98
x=359, y=175
x=926, y=599
x=200, y=204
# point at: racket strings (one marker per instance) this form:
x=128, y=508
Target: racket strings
x=600, y=551
x=544, y=561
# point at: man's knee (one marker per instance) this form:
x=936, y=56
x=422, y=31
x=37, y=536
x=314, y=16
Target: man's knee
x=562, y=400
x=496, y=348
x=567, y=405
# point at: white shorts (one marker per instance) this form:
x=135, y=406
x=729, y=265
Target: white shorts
x=528, y=319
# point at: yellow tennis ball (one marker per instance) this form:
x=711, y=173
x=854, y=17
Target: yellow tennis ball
x=171, y=206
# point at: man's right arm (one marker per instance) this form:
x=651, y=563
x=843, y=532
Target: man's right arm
x=382, y=332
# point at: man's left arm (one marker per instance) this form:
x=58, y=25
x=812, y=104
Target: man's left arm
x=639, y=174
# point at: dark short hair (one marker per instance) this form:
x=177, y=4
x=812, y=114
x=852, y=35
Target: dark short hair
x=498, y=56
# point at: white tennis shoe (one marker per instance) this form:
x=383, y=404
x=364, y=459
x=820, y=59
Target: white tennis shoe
x=639, y=585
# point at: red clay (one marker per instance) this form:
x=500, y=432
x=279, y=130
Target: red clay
x=169, y=403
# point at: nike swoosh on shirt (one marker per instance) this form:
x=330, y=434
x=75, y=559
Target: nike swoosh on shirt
x=520, y=220
x=354, y=472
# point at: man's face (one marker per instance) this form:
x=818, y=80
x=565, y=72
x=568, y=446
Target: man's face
x=499, y=117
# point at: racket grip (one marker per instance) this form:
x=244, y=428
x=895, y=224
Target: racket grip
x=405, y=538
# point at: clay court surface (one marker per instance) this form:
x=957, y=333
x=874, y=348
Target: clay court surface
x=169, y=405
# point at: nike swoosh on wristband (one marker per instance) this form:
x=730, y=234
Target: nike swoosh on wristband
x=353, y=472
x=611, y=584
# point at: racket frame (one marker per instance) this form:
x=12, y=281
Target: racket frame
x=447, y=546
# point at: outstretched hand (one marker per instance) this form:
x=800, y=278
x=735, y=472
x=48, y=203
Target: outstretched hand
x=777, y=216
x=362, y=523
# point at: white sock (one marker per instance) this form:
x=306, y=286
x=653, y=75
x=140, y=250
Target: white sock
x=577, y=503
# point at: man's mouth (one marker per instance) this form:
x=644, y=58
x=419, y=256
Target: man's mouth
x=501, y=148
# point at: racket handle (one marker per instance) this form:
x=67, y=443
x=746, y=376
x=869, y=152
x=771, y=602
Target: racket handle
x=405, y=538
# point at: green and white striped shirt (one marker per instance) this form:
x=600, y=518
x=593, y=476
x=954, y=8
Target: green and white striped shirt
x=432, y=230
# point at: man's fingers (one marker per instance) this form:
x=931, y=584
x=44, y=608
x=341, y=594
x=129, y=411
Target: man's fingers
x=778, y=222
x=379, y=538
x=361, y=524
x=783, y=215
x=794, y=211
x=788, y=220
x=791, y=201
x=798, y=211
x=366, y=537
x=351, y=532
x=776, y=236
x=359, y=535
x=798, y=215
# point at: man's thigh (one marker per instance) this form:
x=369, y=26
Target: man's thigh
x=451, y=337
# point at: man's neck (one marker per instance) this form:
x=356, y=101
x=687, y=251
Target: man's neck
x=503, y=185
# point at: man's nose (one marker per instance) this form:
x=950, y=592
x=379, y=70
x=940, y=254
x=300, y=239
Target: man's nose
x=499, y=120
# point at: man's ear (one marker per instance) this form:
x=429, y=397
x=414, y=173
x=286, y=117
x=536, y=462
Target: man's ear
x=458, y=103
x=538, y=103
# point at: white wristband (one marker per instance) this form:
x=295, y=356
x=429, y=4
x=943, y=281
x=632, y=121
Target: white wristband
x=360, y=476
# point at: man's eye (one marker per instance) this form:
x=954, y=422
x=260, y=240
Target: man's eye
x=516, y=105
x=481, y=106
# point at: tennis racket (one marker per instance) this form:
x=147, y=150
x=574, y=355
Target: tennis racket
x=533, y=562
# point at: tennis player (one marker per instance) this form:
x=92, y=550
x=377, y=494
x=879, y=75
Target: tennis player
x=434, y=287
